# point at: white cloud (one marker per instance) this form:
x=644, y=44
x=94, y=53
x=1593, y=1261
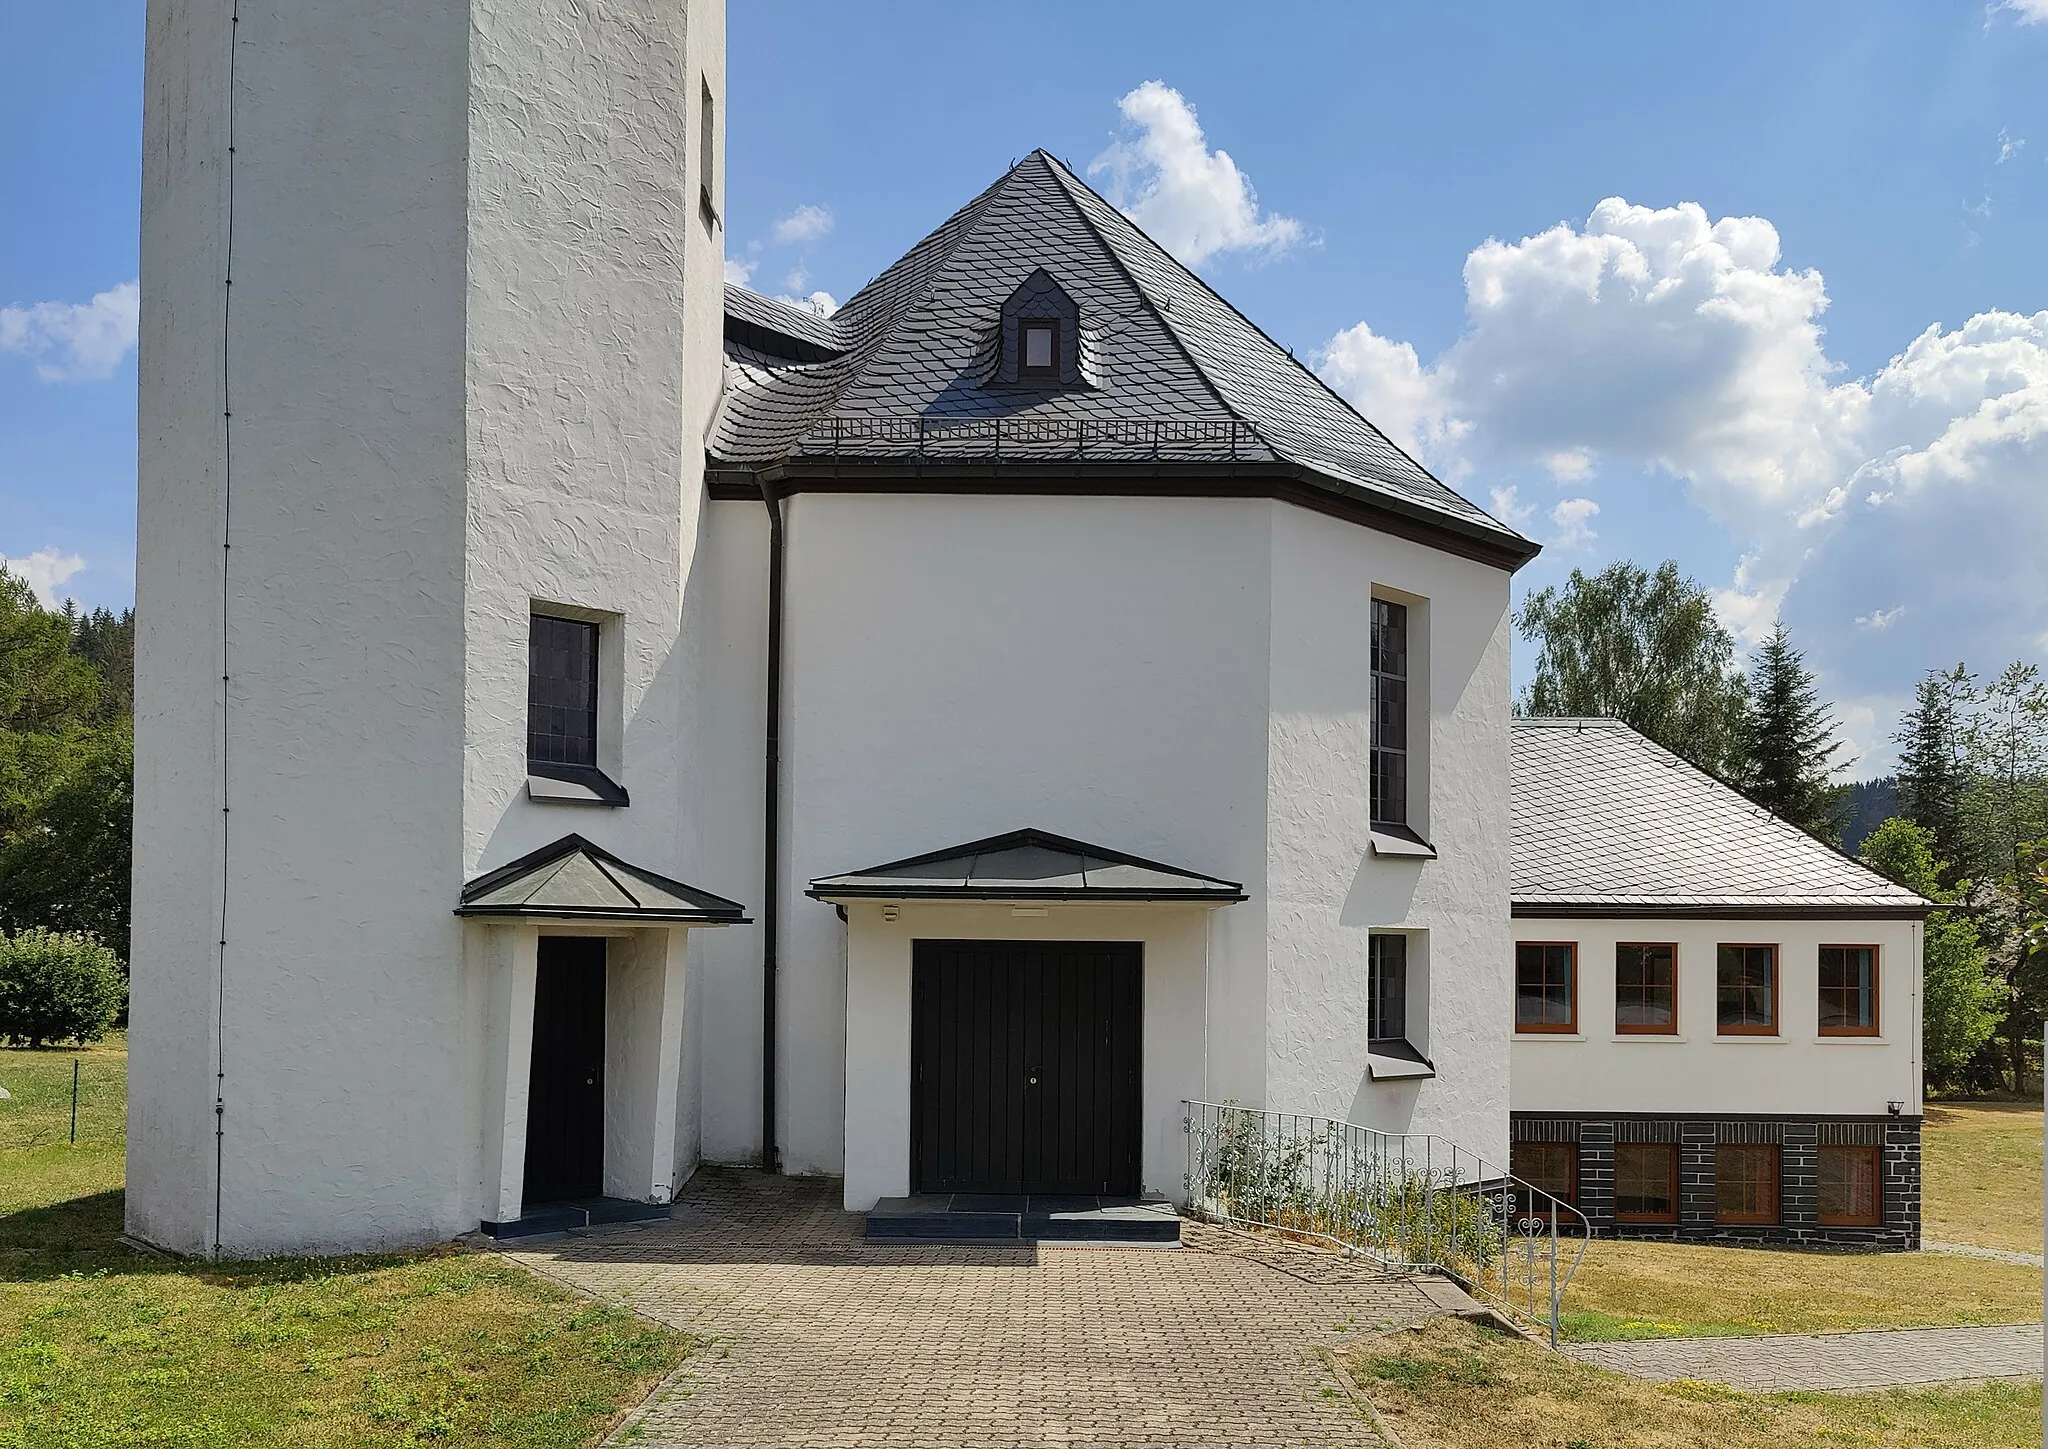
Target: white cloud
x=1194, y=201
x=1880, y=618
x=45, y=571
x=1389, y=384
x=2030, y=12
x=822, y=303
x=805, y=224
x=74, y=341
x=1571, y=517
x=2010, y=145
x=739, y=272
x=798, y=278
x=1511, y=510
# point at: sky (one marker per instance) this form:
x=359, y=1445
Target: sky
x=1756, y=287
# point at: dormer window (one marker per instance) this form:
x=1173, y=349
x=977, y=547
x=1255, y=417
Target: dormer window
x=1038, y=343
x=1040, y=347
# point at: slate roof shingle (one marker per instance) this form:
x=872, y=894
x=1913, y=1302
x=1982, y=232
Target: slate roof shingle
x=1178, y=373
x=1607, y=822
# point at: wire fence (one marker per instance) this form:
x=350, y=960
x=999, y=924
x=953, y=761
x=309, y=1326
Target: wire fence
x=1405, y=1201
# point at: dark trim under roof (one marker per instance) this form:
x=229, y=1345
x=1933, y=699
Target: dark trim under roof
x=1026, y=865
x=1839, y=910
x=572, y=879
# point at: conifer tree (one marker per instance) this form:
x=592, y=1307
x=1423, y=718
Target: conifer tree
x=1934, y=779
x=1791, y=742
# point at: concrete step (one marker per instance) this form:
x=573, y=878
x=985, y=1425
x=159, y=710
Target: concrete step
x=1014, y=1219
x=548, y=1219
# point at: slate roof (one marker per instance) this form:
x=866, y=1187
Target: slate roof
x=1026, y=865
x=1608, y=823
x=572, y=878
x=1177, y=373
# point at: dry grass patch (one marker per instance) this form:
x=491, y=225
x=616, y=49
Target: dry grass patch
x=1451, y=1385
x=1981, y=1174
x=1671, y=1290
x=100, y=1346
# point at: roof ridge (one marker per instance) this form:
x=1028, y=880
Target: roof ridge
x=1162, y=315
x=1062, y=171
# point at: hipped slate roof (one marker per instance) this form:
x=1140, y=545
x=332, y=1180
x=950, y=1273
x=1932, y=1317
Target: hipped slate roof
x=1607, y=823
x=573, y=879
x=1026, y=865
x=1177, y=380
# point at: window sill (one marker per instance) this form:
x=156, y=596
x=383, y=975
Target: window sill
x=1401, y=842
x=1737, y=1038
x=1549, y=1035
x=573, y=785
x=1859, y=1040
x=1393, y=1061
x=1648, y=1036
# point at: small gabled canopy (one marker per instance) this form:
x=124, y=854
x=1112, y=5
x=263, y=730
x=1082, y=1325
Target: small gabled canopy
x=575, y=880
x=1026, y=865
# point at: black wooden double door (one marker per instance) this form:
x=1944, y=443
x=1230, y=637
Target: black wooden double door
x=565, y=1092
x=1025, y=1070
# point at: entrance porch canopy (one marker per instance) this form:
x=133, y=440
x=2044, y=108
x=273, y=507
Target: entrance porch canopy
x=575, y=880
x=1026, y=865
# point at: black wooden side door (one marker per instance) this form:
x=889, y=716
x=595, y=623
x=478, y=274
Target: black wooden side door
x=1026, y=1070
x=565, y=1095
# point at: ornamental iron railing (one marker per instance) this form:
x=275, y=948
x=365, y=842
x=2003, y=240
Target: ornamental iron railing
x=1025, y=438
x=1405, y=1201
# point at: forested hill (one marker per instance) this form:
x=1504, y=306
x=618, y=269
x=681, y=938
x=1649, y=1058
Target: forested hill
x=1868, y=804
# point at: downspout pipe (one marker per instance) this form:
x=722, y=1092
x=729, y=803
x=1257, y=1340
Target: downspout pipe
x=771, y=835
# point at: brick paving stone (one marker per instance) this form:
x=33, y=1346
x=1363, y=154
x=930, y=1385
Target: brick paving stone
x=818, y=1338
x=1873, y=1359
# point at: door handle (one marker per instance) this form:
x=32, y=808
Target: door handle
x=1031, y=1077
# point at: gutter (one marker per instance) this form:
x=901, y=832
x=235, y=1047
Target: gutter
x=771, y=868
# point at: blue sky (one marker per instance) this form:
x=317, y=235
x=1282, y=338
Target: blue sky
x=1729, y=364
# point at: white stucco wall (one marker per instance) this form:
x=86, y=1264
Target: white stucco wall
x=1328, y=890
x=963, y=666
x=1597, y=1069
x=1175, y=939
x=459, y=347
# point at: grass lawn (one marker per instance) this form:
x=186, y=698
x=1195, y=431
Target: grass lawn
x=103, y=1346
x=1981, y=1164
x=1452, y=1385
x=1668, y=1290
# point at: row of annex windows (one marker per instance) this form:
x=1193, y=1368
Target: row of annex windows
x=1848, y=1185
x=1746, y=989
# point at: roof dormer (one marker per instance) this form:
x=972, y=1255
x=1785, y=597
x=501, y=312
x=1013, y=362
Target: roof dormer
x=1041, y=336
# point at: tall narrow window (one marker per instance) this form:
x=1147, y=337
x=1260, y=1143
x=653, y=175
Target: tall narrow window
x=1746, y=990
x=1645, y=988
x=1645, y=1182
x=561, y=692
x=1386, y=1009
x=707, y=153
x=1848, y=991
x=1849, y=1194
x=1389, y=762
x=1745, y=1183
x=1546, y=986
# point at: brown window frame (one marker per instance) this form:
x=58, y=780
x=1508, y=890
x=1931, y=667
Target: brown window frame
x=1570, y=1195
x=1024, y=326
x=1876, y=996
x=1550, y=1028
x=1844, y=1220
x=1776, y=1213
x=1670, y=1151
x=1721, y=1028
x=1633, y=1028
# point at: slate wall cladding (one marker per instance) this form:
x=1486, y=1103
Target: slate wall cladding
x=1798, y=1140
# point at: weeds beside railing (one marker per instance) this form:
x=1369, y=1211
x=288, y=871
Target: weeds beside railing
x=1405, y=1201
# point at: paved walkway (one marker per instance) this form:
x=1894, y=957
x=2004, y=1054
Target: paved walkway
x=1880, y=1358
x=1971, y=1250
x=821, y=1340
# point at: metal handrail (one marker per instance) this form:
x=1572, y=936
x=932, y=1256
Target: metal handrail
x=1406, y=1201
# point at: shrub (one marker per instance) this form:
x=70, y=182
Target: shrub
x=57, y=986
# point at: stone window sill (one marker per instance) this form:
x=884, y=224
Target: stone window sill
x=1401, y=842
x=1854, y=1041
x=1393, y=1060
x=573, y=785
x=1549, y=1036
x=1749, y=1039
x=1655, y=1036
